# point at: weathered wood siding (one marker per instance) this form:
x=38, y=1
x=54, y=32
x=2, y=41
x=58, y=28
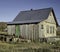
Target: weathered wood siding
x=27, y=31
x=36, y=31
x=41, y=31
x=23, y=30
x=11, y=29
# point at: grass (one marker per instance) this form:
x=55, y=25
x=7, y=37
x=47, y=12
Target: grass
x=17, y=47
x=24, y=45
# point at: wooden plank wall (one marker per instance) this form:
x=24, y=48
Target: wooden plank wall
x=11, y=29
x=36, y=32
x=27, y=31
x=30, y=31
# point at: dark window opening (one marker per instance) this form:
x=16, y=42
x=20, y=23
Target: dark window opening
x=53, y=29
x=1, y=38
x=47, y=28
x=50, y=29
x=41, y=26
x=4, y=39
x=10, y=39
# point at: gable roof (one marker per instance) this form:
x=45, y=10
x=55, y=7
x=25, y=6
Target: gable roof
x=32, y=16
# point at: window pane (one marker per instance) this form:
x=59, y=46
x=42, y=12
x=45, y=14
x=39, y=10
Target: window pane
x=41, y=26
x=51, y=29
x=47, y=28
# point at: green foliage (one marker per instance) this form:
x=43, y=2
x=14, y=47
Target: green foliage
x=3, y=25
x=25, y=47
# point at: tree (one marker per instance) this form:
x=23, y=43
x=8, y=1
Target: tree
x=3, y=25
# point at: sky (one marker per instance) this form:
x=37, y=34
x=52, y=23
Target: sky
x=10, y=8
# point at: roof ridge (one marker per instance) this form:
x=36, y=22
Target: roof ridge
x=36, y=9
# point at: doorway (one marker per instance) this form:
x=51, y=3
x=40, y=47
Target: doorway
x=17, y=31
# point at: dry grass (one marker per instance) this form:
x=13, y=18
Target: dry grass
x=25, y=45
x=6, y=47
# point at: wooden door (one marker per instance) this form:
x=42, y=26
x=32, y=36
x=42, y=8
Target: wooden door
x=17, y=30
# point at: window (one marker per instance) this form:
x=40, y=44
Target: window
x=53, y=29
x=50, y=29
x=47, y=27
x=41, y=26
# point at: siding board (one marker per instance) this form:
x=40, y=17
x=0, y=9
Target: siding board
x=27, y=31
x=11, y=29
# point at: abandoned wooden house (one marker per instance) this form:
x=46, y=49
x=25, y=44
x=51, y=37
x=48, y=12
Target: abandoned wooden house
x=34, y=25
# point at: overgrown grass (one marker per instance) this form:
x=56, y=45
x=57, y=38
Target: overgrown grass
x=19, y=47
x=12, y=47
